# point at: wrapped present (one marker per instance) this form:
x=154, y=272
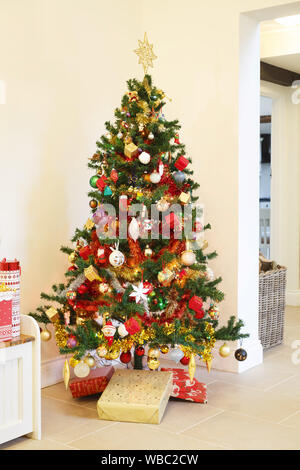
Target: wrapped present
x=181, y=163
x=184, y=389
x=131, y=150
x=96, y=382
x=138, y=396
x=10, y=274
x=196, y=304
x=6, y=300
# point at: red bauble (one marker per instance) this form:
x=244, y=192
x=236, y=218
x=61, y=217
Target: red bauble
x=149, y=286
x=185, y=360
x=139, y=351
x=132, y=326
x=72, y=268
x=125, y=357
x=82, y=289
x=114, y=175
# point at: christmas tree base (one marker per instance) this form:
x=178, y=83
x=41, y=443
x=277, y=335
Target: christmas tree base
x=137, y=396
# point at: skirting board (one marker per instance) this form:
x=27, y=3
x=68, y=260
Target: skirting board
x=293, y=298
x=52, y=371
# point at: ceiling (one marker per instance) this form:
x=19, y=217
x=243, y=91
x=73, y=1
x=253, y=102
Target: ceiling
x=289, y=62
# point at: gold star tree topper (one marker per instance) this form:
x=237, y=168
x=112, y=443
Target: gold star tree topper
x=145, y=53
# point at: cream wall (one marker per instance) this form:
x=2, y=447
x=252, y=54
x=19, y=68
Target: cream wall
x=65, y=64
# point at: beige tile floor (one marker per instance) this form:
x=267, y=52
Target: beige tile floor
x=259, y=409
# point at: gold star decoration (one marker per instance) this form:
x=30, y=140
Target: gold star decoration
x=145, y=53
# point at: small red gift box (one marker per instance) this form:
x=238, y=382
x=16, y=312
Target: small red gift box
x=101, y=182
x=196, y=304
x=96, y=382
x=181, y=163
x=184, y=389
x=6, y=298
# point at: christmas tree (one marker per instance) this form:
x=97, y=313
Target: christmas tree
x=139, y=271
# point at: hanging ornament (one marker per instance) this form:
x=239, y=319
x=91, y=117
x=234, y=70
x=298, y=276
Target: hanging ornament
x=109, y=330
x=179, y=177
x=91, y=273
x=155, y=177
x=133, y=229
x=139, y=293
x=46, y=335
x=71, y=295
x=153, y=352
x=240, y=354
x=114, y=175
x=165, y=277
x=192, y=367
x=72, y=342
x=66, y=374
x=176, y=139
x=131, y=150
x=181, y=163
x=90, y=361
x=153, y=363
x=213, y=312
x=148, y=286
x=93, y=181
x=188, y=257
x=122, y=330
x=150, y=136
x=144, y=158
x=93, y=203
x=164, y=349
x=103, y=287
x=148, y=252
x=196, y=304
x=184, y=198
x=107, y=191
x=162, y=205
x=81, y=369
x=209, y=274
x=139, y=351
x=125, y=357
x=185, y=360
x=101, y=351
x=73, y=362
x=116, y=258
x=176, y=354
x=224, y=350
x=119, y=135
x=82, y=289
x=208, y=365
x=72, y=257
x=101, y=255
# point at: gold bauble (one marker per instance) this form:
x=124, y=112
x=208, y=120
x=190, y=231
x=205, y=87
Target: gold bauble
x=153, y=363
x=224, y=350
x=188, y=257
x=90, y=361
x=164, y=349
x=73, y=362
x=101, y=351
x=112, y=355
x=45, y=335
x=93, y=203
x=148, y=252
x=72, y=257
x=153, y=352
x=66, y=374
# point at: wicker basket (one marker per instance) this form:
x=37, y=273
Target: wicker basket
x=272, y=286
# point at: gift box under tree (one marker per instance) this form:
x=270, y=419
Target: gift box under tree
x=6, y=298
x=184, y=389
x=96, y=382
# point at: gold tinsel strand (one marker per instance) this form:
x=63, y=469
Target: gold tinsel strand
x=61, y=335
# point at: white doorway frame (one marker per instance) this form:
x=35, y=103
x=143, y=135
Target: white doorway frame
x=249, y=150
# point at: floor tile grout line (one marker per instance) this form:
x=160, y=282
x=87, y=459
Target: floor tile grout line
x=200, y=422
x=60, y=443
x=69, y=403
x=281, y=382
x=289, y=416
x=94, y=432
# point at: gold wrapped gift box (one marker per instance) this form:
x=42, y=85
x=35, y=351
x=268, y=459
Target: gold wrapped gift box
x=138, y=396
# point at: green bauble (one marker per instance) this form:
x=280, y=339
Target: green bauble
x=93, y=181
x=161, y=303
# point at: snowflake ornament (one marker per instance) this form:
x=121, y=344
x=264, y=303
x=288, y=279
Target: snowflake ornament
x=139, y=292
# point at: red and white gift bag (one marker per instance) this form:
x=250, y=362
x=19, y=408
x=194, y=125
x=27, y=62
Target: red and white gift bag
x=6, y=300
x=10, y=272
x=96, y=382
x=184, y=389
